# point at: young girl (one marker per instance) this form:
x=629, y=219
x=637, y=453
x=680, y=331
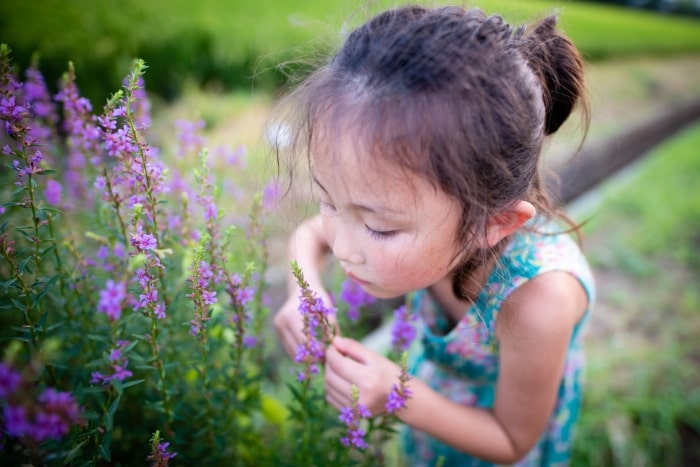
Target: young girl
x=424, y=134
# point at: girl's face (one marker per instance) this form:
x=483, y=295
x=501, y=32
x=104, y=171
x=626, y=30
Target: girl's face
x=391, y=230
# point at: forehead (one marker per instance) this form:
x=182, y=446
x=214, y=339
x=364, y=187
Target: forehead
x=360, y=180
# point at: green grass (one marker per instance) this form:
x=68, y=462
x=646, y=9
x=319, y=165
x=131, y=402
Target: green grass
x=238, y=44
x=642, y=402
x=661, y=209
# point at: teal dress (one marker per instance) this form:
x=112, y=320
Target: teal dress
x=462, y=363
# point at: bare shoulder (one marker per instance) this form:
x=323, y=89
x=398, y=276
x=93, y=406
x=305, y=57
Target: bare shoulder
x=550, y=302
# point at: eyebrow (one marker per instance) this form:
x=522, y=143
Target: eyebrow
x=362, y=207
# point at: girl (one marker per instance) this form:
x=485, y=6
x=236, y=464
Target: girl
x=424, y=135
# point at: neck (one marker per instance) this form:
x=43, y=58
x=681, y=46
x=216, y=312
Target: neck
x=443, y=291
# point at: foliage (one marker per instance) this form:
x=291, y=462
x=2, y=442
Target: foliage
x=133, y=304
x=660, y=201
x=641, y=403
x=255, y=45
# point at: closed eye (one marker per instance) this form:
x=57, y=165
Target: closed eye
x=379, y=234
x=326, y=209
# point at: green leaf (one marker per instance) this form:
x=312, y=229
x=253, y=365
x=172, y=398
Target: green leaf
x=97, y=337
x=52, y=210
x=18, y=191
x=131, y=383
x=43, y=318
x=49, y=249
x=156, y=406
x=5, y=285
x=47, y=172
x=73, y=453
x=109, y=415
x=48, y=285
x=17, y=304
x=104, y=447
x=23, y=264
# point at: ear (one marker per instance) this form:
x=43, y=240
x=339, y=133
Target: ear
x=506, y=222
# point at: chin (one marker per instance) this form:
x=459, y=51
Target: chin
x=382, y=294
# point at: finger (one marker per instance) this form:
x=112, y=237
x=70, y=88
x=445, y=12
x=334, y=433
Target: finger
x=338, y=401
x=289, y=346
x=333, y=400
x=352, y=349
x=335, y=382
x=290, y=334
x=343, y=366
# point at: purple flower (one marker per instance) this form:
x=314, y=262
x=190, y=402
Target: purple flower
x=102, y=253
x=245, y=295
x=121, y=373
x=143, y=241
x=111, y=298
x=403, y=332
x=118, y=364
x=250, y=341
x=49, y=418
x=142, y=277
x=210, y=210
x=42, y=109
x=202, y=296
x=160, y=455
x=53, y=191
x=233, y=157
x=316, y=328
x=189, y=136
x=148, y=298
x=272, y=192
x=10, y=381
x=209, y=297
x=400, y=393
x=355, y=297
x=82, y=137
x=352, y=416
x=159, y=310
x=16, y=420
x=97, y=377
x=119, y=250
x=397, y=398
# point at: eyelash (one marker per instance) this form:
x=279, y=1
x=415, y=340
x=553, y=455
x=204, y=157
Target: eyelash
x=323, y=206
x=377, y=235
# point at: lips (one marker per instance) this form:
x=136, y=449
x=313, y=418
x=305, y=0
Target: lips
x=355, y=278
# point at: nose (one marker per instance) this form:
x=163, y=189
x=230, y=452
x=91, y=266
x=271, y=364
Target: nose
x=343, y=243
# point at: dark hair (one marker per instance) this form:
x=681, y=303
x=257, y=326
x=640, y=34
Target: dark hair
x=457, y=96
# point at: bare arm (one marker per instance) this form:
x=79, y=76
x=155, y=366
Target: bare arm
x=308, y=247
x=534, y=328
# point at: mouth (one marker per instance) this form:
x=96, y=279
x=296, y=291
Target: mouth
x=355, y=278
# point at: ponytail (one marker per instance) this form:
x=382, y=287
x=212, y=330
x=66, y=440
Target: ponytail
x=559, y=67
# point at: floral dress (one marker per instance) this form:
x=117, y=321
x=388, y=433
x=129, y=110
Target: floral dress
x=462, y=363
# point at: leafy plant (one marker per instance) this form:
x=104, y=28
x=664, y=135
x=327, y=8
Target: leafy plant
x=133, y=305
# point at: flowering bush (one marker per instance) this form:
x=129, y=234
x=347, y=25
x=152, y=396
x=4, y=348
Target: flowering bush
x=133, y=308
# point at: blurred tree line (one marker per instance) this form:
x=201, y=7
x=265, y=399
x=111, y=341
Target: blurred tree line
x=679, y=7
x=257, y=46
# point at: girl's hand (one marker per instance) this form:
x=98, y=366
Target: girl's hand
x=350, y=363
x=289, y=323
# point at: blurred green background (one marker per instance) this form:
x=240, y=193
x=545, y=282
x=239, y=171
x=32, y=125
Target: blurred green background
x=225, y=61
x=239, y=44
